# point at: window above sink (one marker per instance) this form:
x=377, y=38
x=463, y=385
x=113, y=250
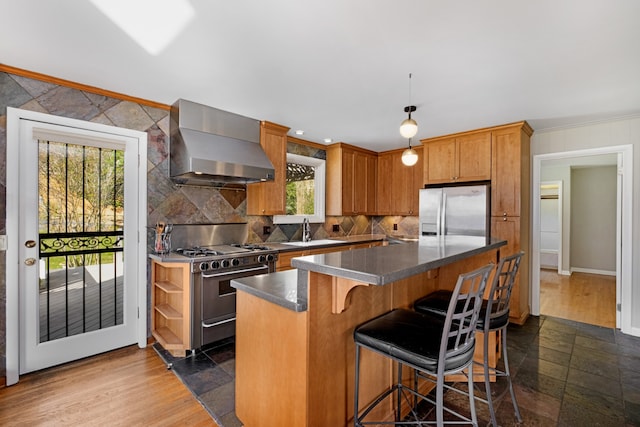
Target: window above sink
x=305, y=190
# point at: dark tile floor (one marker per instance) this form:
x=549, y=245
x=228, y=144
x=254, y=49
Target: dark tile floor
x=210, y=375
x=565, y=373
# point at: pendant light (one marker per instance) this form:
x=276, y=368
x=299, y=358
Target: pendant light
x=409, y=129
x=409, y=156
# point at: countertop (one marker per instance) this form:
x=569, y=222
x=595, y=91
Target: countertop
x=337, y=241
x=377, y=266
x=280, y=288
x=386, y=264
x=283, y=247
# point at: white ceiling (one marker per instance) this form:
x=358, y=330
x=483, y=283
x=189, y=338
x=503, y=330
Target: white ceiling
x=339, y=68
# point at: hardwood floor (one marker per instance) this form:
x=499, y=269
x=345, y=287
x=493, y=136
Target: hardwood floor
x=586, y=298
x=125, y=387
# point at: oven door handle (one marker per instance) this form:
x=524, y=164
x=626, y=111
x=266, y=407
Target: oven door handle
x=234, y=272
x=222, y=322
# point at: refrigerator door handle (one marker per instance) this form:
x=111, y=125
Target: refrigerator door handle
x=439, y=216
x=443, y=221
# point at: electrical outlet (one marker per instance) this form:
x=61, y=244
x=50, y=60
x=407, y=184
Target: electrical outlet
x=3, y=242
x=266, y=229
x=335, y=227
x=395, y=227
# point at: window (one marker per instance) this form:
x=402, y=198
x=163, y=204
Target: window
x=305, y=190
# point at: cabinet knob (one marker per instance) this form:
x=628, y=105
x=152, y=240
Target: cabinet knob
x=504, y=218
x=504, y=214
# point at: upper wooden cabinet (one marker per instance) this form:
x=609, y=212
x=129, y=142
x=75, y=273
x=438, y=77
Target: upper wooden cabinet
x=351, y=180
x=510, y=182
x=457, y=159
x=398, y=185
x=268, y=198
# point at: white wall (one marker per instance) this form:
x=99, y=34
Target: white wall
x=593, y=219
x=611, y=133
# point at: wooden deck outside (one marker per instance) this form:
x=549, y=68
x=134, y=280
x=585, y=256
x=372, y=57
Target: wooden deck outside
x=93, y=298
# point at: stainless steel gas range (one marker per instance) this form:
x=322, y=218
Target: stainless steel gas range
x=213, y=267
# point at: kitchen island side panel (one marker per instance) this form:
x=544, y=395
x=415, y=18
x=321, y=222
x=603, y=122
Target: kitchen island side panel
x=272, y=372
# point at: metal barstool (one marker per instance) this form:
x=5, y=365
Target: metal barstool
x=434, y=345
x=494, y=317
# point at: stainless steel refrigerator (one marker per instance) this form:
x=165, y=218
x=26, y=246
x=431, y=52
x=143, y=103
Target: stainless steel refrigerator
x=455, y=209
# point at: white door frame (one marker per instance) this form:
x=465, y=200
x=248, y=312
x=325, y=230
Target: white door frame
x=623, y=233
x=14, y=116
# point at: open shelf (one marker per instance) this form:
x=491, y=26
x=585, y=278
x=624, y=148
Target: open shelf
x=171, y=314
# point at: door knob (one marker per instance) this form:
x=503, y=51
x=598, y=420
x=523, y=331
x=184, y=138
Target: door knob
x=29, y=261
x=30, y=243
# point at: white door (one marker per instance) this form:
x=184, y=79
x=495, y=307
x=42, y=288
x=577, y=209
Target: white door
x=78, y=242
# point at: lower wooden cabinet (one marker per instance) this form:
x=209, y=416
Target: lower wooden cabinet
x=170, y=306
x=510, y=229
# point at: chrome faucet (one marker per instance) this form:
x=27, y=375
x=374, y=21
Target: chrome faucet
x=306, y=230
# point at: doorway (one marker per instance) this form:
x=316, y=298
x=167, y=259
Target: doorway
x=76, y=266
x=623, y=156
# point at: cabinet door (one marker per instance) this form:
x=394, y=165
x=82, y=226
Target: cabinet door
x=385, y=185
x=506, y=181
x=474, y=157
x=371, y=179
x=359, y=183
x=268, y=198
x=508, y=228
x=417, y=184
x=440, y=161
x=402, y=185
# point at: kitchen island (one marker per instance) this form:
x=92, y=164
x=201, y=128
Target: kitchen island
x=294, y=329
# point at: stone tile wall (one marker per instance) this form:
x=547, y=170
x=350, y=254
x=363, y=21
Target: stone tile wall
x=165, y=201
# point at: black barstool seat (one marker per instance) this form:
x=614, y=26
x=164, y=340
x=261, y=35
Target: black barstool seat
x=395, y=333
x=437, y=303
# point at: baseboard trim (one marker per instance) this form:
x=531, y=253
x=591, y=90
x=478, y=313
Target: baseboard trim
x=593, y=271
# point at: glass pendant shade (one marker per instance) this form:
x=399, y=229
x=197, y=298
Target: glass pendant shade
x=409, y=157
x=408, y=128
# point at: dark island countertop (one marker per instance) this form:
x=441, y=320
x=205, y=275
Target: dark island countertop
x=376, y=266
x=386, y=264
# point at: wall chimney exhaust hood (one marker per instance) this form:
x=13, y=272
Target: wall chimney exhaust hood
x=212, y=147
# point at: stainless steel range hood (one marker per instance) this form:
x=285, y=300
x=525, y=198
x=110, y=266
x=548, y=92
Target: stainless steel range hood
x=212, y=147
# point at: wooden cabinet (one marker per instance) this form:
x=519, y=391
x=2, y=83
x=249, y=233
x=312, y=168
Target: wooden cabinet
x=460, y=158
x=398, y=185
x=268, y=198
x=171, y=308
x=351, y=180
x=501, y=154
x=510, y=197
x=510, y=183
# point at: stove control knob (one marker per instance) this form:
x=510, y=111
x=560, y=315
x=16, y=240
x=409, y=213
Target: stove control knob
x=204, y=266
x=224, y=263
x=270, y=257
x=235, y=262
x=262, y=258
x=215, y=264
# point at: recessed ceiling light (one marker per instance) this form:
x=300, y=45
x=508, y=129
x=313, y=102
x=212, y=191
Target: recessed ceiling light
x=299, y=132
x=328, y=140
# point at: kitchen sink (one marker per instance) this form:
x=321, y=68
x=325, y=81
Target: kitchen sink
x=315, y=242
